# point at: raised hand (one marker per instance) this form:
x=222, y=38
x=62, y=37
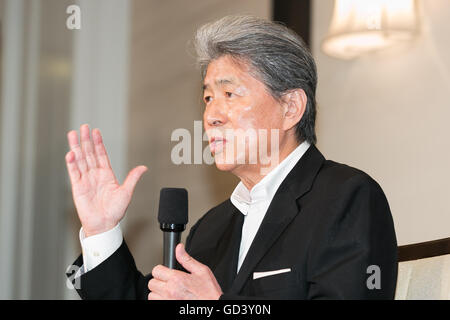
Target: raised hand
x=100, y=200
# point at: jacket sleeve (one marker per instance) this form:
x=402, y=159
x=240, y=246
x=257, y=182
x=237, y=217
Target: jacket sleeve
x=353, y=254
x=116, y=278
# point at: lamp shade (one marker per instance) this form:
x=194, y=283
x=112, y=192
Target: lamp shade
x=361, y=26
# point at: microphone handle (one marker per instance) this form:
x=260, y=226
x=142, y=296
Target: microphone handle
x=171, y=239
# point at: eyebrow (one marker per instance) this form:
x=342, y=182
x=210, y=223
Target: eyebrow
x=219, y=82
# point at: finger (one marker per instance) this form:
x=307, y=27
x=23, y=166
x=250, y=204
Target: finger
x=189, y=263
x=72, y=138
x=161, y=273
x=72, y=168
x=133, y=177
x=154, y=296
x=87, y=146
x=100, y=150
x=156, y=285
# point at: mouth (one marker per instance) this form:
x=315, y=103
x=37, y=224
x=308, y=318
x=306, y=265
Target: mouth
x=216, y=144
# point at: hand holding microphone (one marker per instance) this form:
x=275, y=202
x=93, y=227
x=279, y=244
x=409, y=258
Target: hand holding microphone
x=198, y=283
x=168, y=281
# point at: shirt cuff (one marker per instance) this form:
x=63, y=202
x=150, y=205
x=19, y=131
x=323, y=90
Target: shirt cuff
x=99, y=247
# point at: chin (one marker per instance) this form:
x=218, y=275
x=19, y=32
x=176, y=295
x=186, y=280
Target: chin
x=229, y=165
x=225, y=166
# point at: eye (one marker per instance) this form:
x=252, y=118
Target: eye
x=229, y=94
x=207, y=99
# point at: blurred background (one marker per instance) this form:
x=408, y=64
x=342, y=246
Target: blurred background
x=128, y=68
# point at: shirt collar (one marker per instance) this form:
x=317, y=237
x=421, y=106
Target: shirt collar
x=265, y=189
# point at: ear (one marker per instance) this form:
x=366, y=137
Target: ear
x=294, y=104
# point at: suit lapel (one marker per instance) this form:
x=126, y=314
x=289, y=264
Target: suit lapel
x=228, y=250
x=282, y=210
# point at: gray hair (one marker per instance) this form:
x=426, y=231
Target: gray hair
x=277, y=56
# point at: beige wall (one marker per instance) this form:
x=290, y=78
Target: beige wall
x=165, y=94
x=388, y=114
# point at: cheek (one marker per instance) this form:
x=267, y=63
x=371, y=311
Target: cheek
x=245, y=115
x=257, y=117
x=247, y=118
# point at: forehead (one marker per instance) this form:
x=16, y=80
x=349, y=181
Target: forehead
x=226, y=70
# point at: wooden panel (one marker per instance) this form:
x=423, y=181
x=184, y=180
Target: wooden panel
x=424, y=250
x=296, y=14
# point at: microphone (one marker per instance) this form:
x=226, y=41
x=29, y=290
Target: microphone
x=172, y=217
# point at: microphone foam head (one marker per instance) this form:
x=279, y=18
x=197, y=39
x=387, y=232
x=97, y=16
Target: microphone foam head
x=173, y=206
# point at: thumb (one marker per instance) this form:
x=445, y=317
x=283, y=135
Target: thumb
x=133, y=177
x=189, y=263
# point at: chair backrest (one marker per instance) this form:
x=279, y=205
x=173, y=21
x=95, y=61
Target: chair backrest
x=424, y=271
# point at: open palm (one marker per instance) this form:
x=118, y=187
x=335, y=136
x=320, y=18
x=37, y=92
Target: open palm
x=100, y=200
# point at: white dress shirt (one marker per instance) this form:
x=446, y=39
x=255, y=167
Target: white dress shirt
x=99, y=247
x=252, y=204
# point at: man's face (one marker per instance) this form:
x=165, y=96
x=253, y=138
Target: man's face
x=237, y=107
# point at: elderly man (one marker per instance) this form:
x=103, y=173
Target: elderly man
x=304, y=228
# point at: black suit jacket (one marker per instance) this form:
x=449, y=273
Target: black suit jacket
x=327, y=223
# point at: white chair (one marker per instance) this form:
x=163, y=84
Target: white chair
x=424, y=271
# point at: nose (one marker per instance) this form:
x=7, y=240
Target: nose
x=215, y=114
